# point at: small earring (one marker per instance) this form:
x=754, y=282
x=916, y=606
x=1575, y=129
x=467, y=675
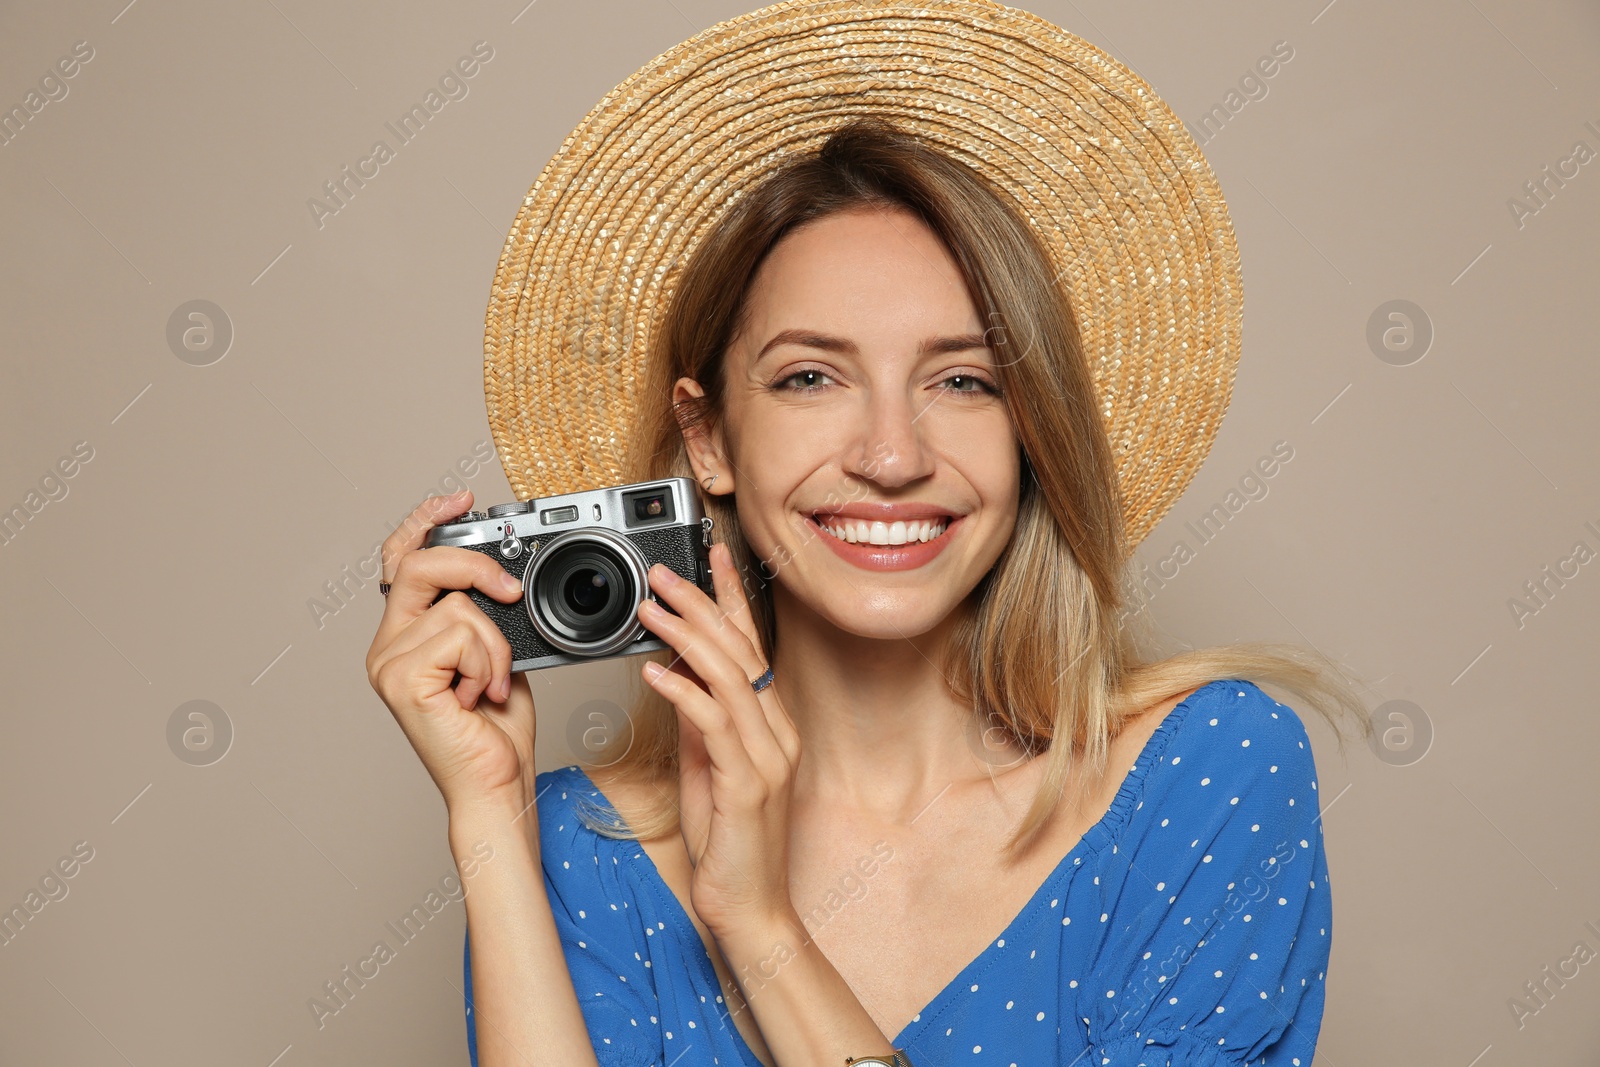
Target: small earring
x=710, y=482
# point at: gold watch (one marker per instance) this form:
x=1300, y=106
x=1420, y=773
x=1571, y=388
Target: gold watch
x=900, y=1059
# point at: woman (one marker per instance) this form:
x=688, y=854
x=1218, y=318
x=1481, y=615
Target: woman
x=968, y=821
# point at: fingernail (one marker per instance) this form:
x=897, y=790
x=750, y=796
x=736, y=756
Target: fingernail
x=510, y=582
x=504, y=688
x=653, y=671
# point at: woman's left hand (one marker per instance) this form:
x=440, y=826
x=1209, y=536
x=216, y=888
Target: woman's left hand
x=738, y=749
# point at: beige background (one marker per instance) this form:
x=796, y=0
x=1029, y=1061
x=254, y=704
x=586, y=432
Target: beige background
x=181, y=562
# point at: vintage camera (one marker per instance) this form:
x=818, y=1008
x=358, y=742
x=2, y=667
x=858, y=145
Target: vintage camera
x=583, y=560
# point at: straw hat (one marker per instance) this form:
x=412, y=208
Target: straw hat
x=1118, y=189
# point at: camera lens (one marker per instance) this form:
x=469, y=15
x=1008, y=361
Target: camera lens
x=583, y=590
x=587, y=590
x=580, y=589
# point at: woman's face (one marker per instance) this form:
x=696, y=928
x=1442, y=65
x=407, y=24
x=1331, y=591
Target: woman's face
x=862, y=405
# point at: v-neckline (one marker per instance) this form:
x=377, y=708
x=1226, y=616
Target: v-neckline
x=1119, y=809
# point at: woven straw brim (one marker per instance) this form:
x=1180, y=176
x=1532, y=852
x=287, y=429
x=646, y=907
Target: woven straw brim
x=1094, y=159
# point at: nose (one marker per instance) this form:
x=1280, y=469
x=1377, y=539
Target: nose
x=889, y=446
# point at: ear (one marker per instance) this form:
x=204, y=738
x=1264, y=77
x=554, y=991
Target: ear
x=704, y=445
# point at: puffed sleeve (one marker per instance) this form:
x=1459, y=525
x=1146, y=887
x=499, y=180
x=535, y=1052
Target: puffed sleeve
x=1219, y=932
x=602, y=936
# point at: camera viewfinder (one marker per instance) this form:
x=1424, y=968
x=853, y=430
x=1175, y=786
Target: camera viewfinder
x=648, y=506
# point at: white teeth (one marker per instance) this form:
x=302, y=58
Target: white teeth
x=862, y=532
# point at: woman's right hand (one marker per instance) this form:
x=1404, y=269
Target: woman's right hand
x=475, y=739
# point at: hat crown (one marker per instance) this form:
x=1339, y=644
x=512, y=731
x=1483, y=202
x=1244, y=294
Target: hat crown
x=1117, y=188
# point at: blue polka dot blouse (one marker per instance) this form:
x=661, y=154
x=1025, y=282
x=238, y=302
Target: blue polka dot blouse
x=1190, y=927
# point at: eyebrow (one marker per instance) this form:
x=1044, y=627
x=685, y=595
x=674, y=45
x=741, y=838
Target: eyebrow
x=828, y=343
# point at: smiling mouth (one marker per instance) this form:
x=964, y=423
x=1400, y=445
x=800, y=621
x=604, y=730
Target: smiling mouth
x=869, y=532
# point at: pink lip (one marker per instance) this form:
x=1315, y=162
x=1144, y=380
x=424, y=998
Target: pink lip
x=904, y=557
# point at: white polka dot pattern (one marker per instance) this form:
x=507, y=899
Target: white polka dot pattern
x=1230, y=970
x=1202, y=935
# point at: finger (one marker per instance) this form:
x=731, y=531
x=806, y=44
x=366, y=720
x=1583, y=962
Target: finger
x=731, y=596
x=424, y=574
x=427, y=672
x=720, y=738
x=705, y=614
x=691, y=603
x=413, y=530
x=733, y=600
x=474, y=665
x=727, y=681
x=455, y=608
x=692, y=754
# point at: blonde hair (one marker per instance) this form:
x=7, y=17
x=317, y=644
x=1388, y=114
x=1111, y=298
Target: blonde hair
x=1047, y=645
